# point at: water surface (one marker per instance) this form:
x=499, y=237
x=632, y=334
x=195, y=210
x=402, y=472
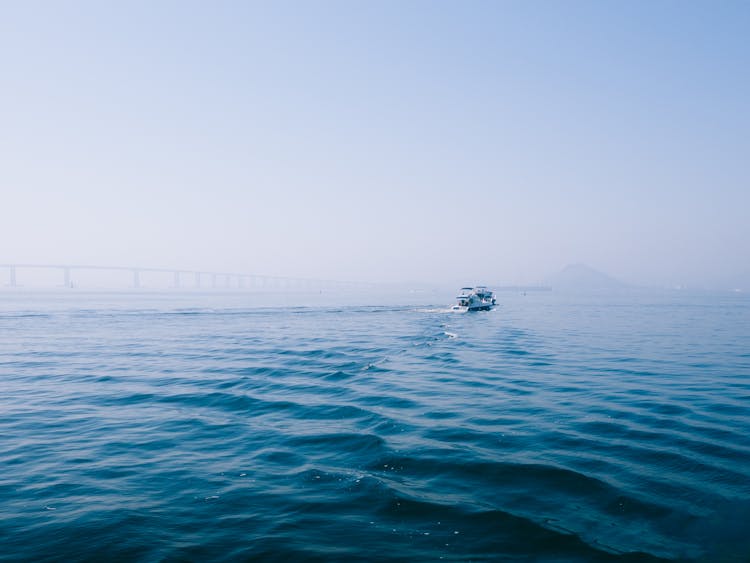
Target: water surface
x=179, y=426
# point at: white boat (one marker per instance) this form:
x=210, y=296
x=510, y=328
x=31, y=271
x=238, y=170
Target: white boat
x=474, y=299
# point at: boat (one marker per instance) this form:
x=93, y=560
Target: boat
x=474, y=299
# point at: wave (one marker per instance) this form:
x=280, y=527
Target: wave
x=546, y=431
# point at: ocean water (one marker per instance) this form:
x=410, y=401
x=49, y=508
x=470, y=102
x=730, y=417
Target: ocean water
x=224, y=427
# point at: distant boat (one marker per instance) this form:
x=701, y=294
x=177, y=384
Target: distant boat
x=474, y=299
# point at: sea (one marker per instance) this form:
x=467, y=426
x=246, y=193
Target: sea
x=239, y=426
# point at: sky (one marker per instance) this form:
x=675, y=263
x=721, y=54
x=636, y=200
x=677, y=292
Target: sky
x=385, y=141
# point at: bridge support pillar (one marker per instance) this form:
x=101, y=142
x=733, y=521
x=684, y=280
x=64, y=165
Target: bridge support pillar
x=12, y=276
x=66, y=277
x=176, y=279
x=197, y=279
x=136, y=279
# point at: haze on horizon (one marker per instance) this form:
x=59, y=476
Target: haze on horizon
x=379, y=141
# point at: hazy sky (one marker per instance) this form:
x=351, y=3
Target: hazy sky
x=407, y=140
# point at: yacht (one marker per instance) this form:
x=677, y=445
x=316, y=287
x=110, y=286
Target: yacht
x=474, y=299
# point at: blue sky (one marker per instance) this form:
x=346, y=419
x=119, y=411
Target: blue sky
x=383, y=141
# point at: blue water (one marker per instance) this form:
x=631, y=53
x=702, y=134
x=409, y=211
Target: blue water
x=217, y=427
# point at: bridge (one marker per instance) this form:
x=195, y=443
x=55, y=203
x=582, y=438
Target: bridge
x=180, y=277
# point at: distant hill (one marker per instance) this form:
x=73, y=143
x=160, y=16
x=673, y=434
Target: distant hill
x=580, y=277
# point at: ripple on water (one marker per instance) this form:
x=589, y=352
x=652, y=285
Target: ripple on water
x=549, y=430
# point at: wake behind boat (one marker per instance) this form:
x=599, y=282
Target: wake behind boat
x=474, y=299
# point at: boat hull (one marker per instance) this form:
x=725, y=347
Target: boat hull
x=473, y=307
